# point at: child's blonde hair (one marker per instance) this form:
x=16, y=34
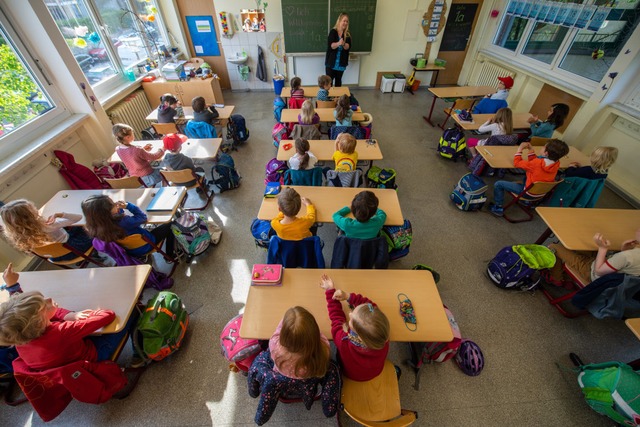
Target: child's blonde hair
x=289, y=202
x=504, y=117
x=346, y=143
x=307, y=112
x=323, y=81
x=371, y=325
x=23, y=225
x=602, y=158
x=120, y=131
x=300, y=335
x=22, y=318
x=342, y=107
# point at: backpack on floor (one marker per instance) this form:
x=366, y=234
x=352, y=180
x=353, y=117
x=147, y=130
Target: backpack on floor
x=381, y=178
x=470, y=193
x=237, y=350
x=274, y=171
x=437, y=352
x=191, y=234
x=110, y=170
x=399, y=239
x=237, y=129
x=516, y=267
x=224, y=173
x=279, y=133
x=162, y=326
x=261, y=231
x=452, y=144
x=278, y=106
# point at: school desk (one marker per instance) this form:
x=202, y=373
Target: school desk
x=70, y=201
x=519, y=121
x=323, y=149
x=429, y=67
x=290, y=115
x=112, y=288
x=501, y=156
x=267, y=304
x=193, y=148
x=456, y=92
x=312, y=91
x=575, y=227
x=329, y=200
x=224, y=114
x=634, y=325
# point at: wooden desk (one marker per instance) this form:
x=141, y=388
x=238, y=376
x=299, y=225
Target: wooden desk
x=112, y=288
x=70, y=201
x=501, y=156
x=575, y=227
x=329, y=200
x=312, y=91
x=290, y=115
x=634, y=325
x=267, y=304
x=193, y=148
x=323, y=149
x=225, y=112
x=429, y=67
x=456, y=92
x=519, y=121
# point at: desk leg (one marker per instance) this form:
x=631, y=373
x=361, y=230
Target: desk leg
x=435, y=80
x=544, y=236
x=428, y=119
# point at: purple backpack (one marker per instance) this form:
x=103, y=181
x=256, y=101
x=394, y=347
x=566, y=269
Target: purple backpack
x=507, y=270
x=274, y=171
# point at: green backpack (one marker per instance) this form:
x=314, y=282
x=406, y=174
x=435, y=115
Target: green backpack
x=161, y=327
x=612, y=389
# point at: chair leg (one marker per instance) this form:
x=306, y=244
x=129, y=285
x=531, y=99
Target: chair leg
x=557, y=303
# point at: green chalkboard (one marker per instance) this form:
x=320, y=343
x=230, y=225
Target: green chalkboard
x=306, y=23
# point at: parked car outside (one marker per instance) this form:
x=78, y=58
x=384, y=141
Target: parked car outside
x=85, y=61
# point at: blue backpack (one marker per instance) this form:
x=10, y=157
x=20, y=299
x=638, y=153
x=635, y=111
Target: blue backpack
x=261, y=231
x=398, y=238
x=278, y=106
x=225, y=176
x=469, y=193
x=237, y=129
x=516, y=267
x=452, y=144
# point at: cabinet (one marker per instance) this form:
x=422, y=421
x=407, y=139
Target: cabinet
x=184, y=91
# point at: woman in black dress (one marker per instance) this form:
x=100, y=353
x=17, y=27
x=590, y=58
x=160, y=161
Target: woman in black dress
x=338, y=45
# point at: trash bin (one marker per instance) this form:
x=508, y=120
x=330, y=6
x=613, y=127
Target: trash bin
x=399, y=83
x=386, y=83
x=278, y=84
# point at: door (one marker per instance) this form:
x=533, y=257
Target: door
x=458, y=30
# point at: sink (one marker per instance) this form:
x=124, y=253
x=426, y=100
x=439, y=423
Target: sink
x=237, y=59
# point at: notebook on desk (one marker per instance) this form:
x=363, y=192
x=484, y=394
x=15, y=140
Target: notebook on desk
x=165, y=199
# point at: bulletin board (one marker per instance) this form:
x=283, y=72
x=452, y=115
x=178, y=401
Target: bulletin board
x=433, y=22
x=203, y=35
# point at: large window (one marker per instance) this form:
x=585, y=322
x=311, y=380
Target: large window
x=582, y=37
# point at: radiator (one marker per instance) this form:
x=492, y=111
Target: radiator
x=132, y=111
x=489, y=74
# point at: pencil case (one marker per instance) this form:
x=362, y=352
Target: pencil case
x=267, y=275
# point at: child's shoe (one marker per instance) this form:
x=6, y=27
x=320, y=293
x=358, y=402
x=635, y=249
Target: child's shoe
x=497, y=210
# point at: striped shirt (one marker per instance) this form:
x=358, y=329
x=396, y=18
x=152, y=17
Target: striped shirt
x=137, y=160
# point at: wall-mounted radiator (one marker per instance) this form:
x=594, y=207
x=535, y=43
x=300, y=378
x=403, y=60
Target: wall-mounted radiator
x=489, y=74
x=132, y=111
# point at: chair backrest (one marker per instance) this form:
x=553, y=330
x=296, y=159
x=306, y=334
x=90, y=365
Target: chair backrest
x=538, y=190
x=200, y=130
x=360, y=253
x=57, y=250
x=356, y=131
x=463, y=104
x=179, y=178
x=126, y=182
x=165, y=128
x=309, y=177
x=502, y=140
x=325, y=104
x=538, y=141
x=305, y=253
x=344, y=179
x=296, y=102
x=305, y=131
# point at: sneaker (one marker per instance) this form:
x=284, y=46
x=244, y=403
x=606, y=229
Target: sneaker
x=137, y=361
x=497, y=210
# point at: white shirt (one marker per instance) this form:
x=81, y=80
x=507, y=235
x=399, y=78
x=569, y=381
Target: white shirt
x=294, y=161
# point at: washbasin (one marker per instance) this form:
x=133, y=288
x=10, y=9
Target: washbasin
x=237, y=59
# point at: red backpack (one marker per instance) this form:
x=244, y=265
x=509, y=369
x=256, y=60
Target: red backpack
x=238, y=351
x=279, y=133
x=110, y=170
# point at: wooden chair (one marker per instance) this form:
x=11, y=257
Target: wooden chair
x=133, y=241
x=183, y=177
x=56, y=250
x=458, y=104
x=537, y=141
x=529, y=198
x=579, y=282
x=165, y=128
x=325, y=104
x=376, y=402
x=126, y=182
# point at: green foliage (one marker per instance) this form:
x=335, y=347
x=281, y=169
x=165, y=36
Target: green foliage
x=16, y=85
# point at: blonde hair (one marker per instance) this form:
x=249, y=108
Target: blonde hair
x=22, y=318
x=371, y=325
x=300, y=335
x=307, y=112
x=504, y=117
x=602, y=158
x=346, y=143
x=120, y=131
x=23, y=225
x=346, y=31
x=289, y=202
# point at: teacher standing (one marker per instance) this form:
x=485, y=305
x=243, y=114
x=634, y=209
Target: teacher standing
x=338, y=45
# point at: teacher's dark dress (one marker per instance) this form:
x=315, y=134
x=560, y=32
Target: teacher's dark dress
x=333, y=71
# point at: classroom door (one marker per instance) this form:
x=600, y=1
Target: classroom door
x=461, y=21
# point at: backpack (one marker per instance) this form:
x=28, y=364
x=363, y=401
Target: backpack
x=612, y=389
x=149, y=134
x=469, y=193
x=478, y=164
x=278, y=106
x=237, y=350
x=161, y=327
x=452, y=144
x=261, y=231
x=225, y=176
x=279, y=133
x=111, y=170
x=516, y=267
x=274, y=171
x=381, y=178
x=191, y=234
x=237, y=129
x=399, y=239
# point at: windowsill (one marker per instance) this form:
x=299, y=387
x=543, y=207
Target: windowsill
x=626, y=111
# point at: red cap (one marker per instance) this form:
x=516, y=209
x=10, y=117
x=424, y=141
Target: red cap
x=173, y=141
x=508, y=81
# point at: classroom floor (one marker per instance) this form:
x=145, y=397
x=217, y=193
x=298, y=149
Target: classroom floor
x=526, y=342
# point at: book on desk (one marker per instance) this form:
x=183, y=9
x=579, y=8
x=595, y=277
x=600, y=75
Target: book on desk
x=165, y=199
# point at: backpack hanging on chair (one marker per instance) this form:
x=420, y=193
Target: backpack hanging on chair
x=224, y=173
x=279, y=133
x=278, y=106
x=274, y=171
x=239, y=351
x=399, y=239
x=191, y=234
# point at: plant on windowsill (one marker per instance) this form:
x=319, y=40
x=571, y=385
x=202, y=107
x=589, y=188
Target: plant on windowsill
x=141, y=21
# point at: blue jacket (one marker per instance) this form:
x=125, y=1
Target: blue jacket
x=305, y=253
x=359, y=253
x=489, y=106
x=200, y=130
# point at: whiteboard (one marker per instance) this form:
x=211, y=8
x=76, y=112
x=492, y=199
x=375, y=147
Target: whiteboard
x=308, y=68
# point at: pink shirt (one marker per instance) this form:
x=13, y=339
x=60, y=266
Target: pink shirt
x=137, y=160
x=287, y=360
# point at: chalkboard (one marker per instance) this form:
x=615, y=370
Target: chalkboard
x=306, y=23
x=458, y=28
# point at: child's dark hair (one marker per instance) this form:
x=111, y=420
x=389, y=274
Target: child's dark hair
x=168, y=98
x=289, y=202
x=364, y=205
x=302, y=148
x=560, y=112
x=295, y=83
x=556, y=149
x=100, y=222
x=198, y=104
x=323, y=80
x=342, y=107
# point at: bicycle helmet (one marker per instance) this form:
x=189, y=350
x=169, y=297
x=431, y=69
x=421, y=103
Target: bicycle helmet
x=470, y=358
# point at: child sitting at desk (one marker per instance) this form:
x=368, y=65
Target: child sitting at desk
x=107, y=221
x=308, y=115
x=324, y=83
x=368, y=218
x=296, y=88
x=538, y=169
x=345, y=156
x=168, y=109
x=555, y=119
x=343, y=111
x=500, y=124
x=303, y=159
x=286, y=225
x=175, y=160
x=363, y=341
x=602, y=158
x=137, y=160
x=202, y=112
x=504, y=85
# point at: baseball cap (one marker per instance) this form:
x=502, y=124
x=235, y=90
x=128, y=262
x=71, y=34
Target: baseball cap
x=508, y=81
x=173, y=141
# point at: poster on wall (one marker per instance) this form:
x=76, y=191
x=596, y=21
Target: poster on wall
x=203, y=35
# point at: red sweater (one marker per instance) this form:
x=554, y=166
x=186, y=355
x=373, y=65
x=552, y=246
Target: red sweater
x=63, y=341
x=358, y=363
x=536, y=168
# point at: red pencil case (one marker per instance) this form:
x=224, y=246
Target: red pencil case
x=266, y=275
